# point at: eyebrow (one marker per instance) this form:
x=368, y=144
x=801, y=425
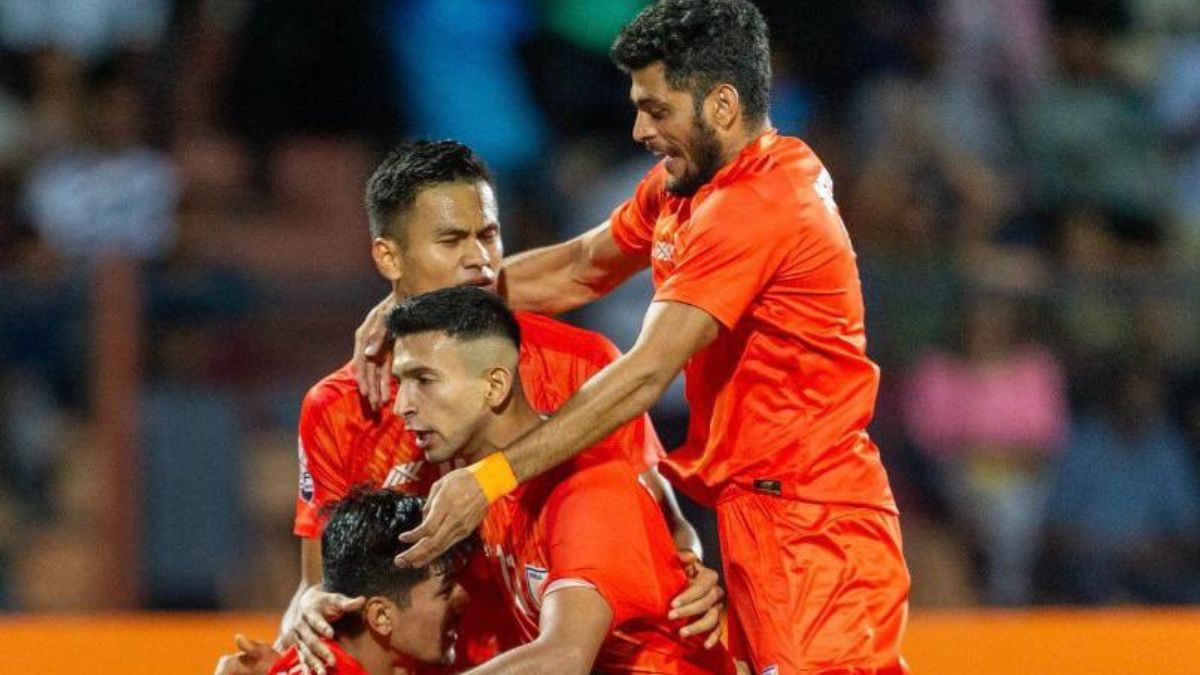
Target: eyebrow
x=455, y=230
x=648, y=100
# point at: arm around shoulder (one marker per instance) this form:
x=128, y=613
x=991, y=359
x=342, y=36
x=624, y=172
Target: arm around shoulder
x=559, y=278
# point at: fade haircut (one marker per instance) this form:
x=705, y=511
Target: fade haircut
x=462, y=312
x=361, y=539
x=410, y=168
x=701, y=44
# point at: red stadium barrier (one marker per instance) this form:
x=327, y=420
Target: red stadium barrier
x=1058, y=642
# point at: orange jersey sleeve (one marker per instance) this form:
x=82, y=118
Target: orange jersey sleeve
x=632, y=223
x=322, y=477
x=589, y=538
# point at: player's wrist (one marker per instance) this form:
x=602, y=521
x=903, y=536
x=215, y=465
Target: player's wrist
x=495, y=476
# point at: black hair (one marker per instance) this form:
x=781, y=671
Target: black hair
x=701, y=44
x=462, y=312
x=361, y=540
x=412, y=167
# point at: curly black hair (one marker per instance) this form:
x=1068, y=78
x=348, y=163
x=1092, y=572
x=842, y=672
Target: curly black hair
x=701, y=44
x=412, y=167
x=361, y=539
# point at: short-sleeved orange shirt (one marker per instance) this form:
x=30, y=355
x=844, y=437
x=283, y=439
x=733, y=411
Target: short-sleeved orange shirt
x=344, y=443
x=780, y=401
x=592, y=523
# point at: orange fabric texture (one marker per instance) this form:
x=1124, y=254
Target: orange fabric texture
x=780, y=402
x=786, y=391
x=343, y=443
x=343, y=663
x=818, y=588
x=590, y=522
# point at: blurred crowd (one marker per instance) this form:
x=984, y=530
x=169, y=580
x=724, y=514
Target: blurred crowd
x=1021, y=179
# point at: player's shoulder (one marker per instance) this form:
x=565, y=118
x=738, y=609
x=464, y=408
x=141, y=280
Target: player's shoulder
x=542, y=333
x=336, y=390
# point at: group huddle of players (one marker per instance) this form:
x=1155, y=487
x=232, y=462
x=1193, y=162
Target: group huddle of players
x=480, y=488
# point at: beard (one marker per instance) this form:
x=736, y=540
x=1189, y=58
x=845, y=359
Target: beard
x=706, y=154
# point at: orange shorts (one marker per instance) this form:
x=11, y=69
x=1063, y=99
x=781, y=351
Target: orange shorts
x=812, y=588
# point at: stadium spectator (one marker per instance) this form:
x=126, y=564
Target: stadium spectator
x=1124, y=515
x=992, y=417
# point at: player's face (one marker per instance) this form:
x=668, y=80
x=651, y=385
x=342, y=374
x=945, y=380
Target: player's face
x=451, y=238
x=431, y=619
x=442, y=397
x=669, y=125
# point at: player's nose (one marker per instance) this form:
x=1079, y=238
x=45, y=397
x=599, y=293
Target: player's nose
x=643, y=129
x=403, y=407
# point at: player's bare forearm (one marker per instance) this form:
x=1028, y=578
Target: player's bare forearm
x=559, y=278
x=539, y=658
x=572, y=626
x=627, y=387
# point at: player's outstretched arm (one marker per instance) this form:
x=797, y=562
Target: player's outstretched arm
x=457, y=503
x=559, y=278
x=573, y=624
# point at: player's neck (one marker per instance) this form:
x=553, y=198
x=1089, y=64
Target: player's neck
x=746, y=135
x=516, y=420
x=370, y=654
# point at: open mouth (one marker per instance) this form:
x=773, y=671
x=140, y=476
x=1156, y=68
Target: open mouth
x=422, y=438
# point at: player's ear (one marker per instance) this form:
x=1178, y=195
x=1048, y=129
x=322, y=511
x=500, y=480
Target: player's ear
x=386, y=253
x=726, y=105
x=377, y=615
x=499, y=386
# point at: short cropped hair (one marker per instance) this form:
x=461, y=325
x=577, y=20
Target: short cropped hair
x=701, y=44
x=462, y=312
x=410, y=168
x=361, y=540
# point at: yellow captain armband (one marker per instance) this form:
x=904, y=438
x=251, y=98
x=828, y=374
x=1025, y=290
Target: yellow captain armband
x=495, y=476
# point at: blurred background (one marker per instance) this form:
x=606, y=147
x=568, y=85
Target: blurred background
x=184, y=251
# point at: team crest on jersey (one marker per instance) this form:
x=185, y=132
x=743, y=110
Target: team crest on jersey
x=409, y=472
x=534, y=576
x=306, y=481
x=771, y=670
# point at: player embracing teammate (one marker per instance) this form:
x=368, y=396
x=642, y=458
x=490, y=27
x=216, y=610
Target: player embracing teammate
x=758, y=302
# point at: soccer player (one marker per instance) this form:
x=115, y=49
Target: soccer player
x=583, y=551
x=758, y=299
x=434, y=224
x=407, y=617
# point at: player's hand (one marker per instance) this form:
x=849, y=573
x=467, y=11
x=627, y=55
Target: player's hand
x=455, y=507
x=703, y=598
x=372, y=355
x=253, y=658
x=317, y=609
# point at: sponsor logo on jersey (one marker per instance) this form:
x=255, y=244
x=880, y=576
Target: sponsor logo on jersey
x=663, y=251
x=409, y=472
x=771, y=670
